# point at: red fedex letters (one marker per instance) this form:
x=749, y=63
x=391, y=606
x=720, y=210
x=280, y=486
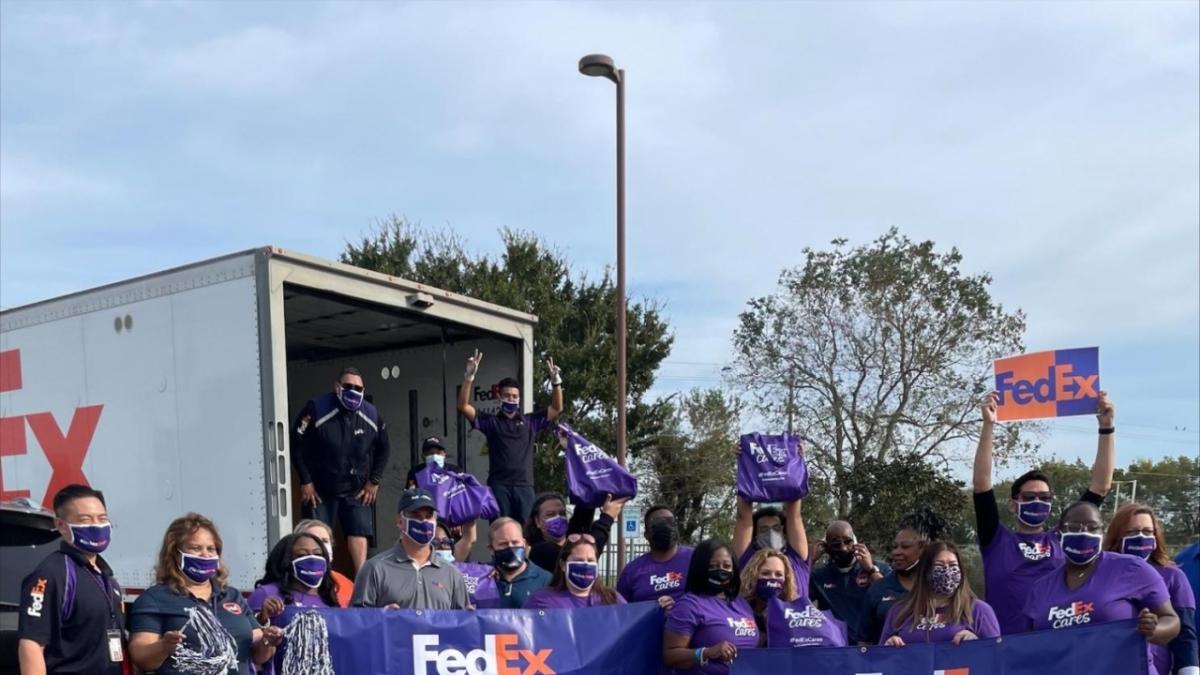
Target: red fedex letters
x=65, y=452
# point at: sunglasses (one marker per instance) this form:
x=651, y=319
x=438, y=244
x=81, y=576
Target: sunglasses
x=572, y=538
x=1031, y=496
x=355, y=387
x=446, y=543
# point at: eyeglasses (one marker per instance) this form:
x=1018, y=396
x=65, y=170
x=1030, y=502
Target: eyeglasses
x=1031, y=496
x=1077, y=528
x=844, y=543
x=572, y=538
x=355, y=387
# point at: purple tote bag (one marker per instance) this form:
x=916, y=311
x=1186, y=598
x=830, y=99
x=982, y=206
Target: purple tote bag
x=771, y=468
x=592, y=474
x=459, y=497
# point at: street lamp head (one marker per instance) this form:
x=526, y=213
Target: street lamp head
x=598, y=65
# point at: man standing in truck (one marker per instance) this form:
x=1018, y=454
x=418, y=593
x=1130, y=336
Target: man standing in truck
x=340, y=448
x=510, y=436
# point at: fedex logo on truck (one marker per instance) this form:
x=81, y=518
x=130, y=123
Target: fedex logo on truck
x=500, y=656
x=64, y=451
x=1048, y=384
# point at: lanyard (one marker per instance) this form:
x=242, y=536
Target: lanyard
x=102, y=582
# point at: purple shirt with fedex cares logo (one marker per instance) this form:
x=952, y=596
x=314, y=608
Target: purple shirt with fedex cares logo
x=799, y=565
x=648, y=579
x=801, y=624
x=1011, y=562
x=553, y=598
x=481, y=584
x=711, y=619
x=935, y=629
x=1119, y=588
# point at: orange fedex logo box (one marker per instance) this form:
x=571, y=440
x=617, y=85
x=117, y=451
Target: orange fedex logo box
x=1056, y=383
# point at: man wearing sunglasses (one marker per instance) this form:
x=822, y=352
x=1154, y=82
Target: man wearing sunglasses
x=340, y=448
x=1013, y=560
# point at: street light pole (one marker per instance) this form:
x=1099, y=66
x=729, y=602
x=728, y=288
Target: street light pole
x=600, y=65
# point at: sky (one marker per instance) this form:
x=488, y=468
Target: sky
x=1057, y=145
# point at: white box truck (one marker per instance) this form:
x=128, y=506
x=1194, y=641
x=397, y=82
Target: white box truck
x=175, y=391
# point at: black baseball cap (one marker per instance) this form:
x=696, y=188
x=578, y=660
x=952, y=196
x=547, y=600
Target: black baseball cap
x=416, y=498
x=432, y=442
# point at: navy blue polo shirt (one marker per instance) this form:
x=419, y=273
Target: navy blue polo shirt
x=843, y=592
x=77, y=643
x=161, y=609
x=880, y=597
x=510, y=445
x=513, y=594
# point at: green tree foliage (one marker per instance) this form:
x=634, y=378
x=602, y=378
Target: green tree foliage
x=873, y=353
x=576, y=324
x=691, y=467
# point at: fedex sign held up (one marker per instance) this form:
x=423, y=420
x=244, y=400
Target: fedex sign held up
x=1056, y=383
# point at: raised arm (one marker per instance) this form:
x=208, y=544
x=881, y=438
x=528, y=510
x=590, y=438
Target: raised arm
x=743, y=528
x=981, y=480
x=556, y=397
x=464, y=392
x=797, y=538
x=462, y=549
x=1106, y=447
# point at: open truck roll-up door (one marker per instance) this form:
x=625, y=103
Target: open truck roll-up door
x=409, y=341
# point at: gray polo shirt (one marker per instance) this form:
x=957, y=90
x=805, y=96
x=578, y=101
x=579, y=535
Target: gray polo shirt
x=393, y=577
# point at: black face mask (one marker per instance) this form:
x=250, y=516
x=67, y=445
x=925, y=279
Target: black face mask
x=719, y=578
x=842, y=558
x=509, y=558
x=663, y=534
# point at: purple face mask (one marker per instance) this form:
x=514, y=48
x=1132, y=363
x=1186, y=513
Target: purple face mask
x=1081, y=548
x=91, y=538
x=766, y=589
x=1033, y=513
x=350, y=399
x=420, y=531
x=510, y=407
x=1139, y=545
x=310, y=570
x=581, y=574
x=556, y=527
x=198, y=568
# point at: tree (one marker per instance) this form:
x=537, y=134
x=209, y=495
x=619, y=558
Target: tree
x=576, y=324
x=691, y=467
x=873, y=353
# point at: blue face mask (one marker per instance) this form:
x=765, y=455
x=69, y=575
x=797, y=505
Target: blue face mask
x=199, y=568
x=510, y=407
x=420, y=531
x=1139, y=545
x=91, y=538
x=1033, y=513
x=1081, y=548
x=581, y=574
x=445, y=555
x=350, y=399
x=509, y=558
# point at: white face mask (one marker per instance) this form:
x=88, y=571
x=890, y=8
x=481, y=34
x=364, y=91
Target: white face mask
x=447, y=556
x=436, y=458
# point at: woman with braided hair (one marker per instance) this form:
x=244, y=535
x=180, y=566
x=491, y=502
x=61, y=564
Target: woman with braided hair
x=915, y=531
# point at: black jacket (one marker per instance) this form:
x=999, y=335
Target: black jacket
x=336, y=449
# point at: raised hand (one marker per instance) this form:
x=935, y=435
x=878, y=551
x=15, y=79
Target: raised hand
x=473, y=365
x=989, y=408
x=863, y=555
x=1106, y=412
x=555, y=373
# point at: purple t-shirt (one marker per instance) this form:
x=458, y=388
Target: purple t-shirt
x=510, y=445
x=934, y=629
x=800, y=623
x=1181, y=596
x=481, y=585
x=709, y=619
x=1119, y=588
x=1012, y=561
x=256, y=600
x=647, y=579
x=552, y=598
x=800, y=567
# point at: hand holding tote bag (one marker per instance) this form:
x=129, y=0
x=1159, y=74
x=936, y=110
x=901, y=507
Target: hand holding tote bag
x=771, y=468
x=592, y=474
x=459, y=497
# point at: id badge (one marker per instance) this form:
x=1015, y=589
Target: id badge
x=115, y=654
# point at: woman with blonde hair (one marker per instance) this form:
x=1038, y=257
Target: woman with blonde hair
x=191, y=616
x=1136, y=531
x=941, y=606
x=785, y=618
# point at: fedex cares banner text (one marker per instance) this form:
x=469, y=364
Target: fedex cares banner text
x=1048, y=384
x=1100, y=648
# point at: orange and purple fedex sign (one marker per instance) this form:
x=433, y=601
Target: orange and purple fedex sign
x=1048, y=384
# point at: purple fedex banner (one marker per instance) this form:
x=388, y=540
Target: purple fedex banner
x=1098, y=649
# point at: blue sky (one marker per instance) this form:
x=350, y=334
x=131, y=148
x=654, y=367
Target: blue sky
x=1056, y=144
